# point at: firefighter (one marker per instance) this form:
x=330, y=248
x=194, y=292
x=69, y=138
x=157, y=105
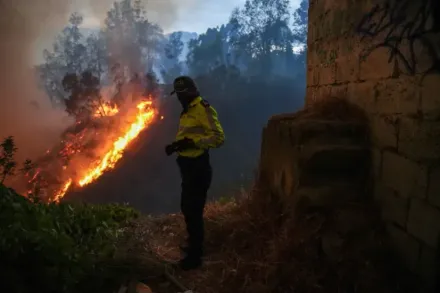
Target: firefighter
x=199, y=131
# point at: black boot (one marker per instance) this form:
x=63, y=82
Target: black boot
x=184, y=248
x=190, y=263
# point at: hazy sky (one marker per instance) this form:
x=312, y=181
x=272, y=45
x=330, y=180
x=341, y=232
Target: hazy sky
x=197, y=16
x=185, y=15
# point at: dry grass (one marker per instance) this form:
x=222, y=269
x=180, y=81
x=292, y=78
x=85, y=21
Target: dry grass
x=251, y=247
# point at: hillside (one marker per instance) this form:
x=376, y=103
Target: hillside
x=325, y=238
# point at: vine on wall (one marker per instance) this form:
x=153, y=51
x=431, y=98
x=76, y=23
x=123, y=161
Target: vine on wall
x=402, y=26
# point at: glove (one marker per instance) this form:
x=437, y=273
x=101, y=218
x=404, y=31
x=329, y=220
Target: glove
x=184, y=144
x=170, y=149
x=180, y=145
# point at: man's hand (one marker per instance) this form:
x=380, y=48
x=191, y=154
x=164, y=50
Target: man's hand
x=180, y=145
x=185, y=144
x=170, y=149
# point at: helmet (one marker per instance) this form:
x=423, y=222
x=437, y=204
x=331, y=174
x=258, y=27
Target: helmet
x=184, y=84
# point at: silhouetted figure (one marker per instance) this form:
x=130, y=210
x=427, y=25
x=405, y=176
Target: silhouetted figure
x=199, y=130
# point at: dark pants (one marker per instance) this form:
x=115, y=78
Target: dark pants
x=196, y=176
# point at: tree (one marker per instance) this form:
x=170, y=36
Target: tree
x=132, y=40
x=85, y=98
x=7, y=162
x=151, y=85
x=128, y=44
x=207, y=52
x=96, y=54
x=68, y=55
x=28, y=166
x=300, y=22
x=171, y=64
x=260, y=30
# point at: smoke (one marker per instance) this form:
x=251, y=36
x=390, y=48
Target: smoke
x=162, y=12
x=25, y=111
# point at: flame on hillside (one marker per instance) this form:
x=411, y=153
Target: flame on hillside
x=106, y=109
x=109, y=160
x=88, y=150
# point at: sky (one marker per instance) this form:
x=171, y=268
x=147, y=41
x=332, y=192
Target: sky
x=188, y=15
x=191, y=15
x=197, y=16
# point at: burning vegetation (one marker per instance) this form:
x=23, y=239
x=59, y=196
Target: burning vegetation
x=94, y=144
x=88, y=149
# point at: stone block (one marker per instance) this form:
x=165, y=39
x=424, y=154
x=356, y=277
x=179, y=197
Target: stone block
x=406, y=247
x=434, y=187
x=313, y=12
x=384, y=131
x=325, y=196
x=313, y=76
x=323, y=92
x=327, y=74
x=419, y=139
x=347, y=69
x=394, y=208
x=330, y=6
x=424, y=222
x=327, y=132
x=352, y=47
x=311, y=55
x=311, y=95
x=403, y=175
x=376, y=65
x=398, y=96
x=428, y=267
x=376, y=154
x=333, y=158
x=362, y=94
x=336, y=22
x=430, y=98
x=339, y=91
x=310, y=92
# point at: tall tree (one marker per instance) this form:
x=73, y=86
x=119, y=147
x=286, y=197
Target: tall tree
x=207, y=52
x=260, y=28
x=171, y=64
x=68, y=55
x=84, y=95
x=7, y=162
x=300, y=22
x=97, y=54
x=133, y=41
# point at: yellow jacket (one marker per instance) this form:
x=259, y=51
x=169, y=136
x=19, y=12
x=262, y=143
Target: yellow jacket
x=200, y=123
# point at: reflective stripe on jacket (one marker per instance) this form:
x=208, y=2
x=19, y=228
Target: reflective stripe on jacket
x=200, y=123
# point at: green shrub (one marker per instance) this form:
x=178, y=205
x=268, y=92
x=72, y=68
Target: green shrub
x=58, y=247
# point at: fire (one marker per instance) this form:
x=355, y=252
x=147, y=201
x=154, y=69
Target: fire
x=62, y=191
x=106, y=110
x=111, y=157
x=144, y=117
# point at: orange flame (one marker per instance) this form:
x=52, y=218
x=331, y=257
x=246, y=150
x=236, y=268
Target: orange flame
x=144, y=117
x=62, y=191
x=106, y=110
x=112, y=156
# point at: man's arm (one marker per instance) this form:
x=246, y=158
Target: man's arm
x=214, y=136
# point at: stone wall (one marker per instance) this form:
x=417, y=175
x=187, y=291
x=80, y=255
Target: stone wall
x=401, y=97
x=403, y=104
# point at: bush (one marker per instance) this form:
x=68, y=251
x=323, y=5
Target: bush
x=58, y=247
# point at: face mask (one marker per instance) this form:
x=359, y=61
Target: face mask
x=183, y=99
